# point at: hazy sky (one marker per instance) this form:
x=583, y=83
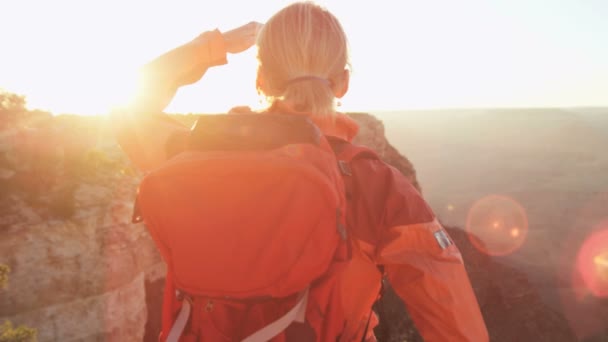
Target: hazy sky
x=81, y=56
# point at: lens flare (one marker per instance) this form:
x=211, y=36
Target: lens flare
x=497, y=225
x=515, y=232
x=601, y=266
x=581, y=268
x=592, y=262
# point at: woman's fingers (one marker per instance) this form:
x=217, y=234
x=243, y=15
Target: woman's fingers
x=242, y=38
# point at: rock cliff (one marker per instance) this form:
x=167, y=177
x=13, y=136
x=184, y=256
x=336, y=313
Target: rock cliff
x=81, y=271
x=79, y=268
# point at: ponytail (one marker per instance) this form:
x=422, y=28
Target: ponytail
x=310, y=94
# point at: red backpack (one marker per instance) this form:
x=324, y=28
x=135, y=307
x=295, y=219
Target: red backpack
x=250, y=220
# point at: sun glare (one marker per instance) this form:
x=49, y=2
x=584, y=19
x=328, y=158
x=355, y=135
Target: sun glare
x=92, y=98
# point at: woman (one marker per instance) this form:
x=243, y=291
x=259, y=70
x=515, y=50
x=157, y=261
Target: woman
x=303, y=69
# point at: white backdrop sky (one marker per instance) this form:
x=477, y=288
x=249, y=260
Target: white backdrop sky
x=80, y=56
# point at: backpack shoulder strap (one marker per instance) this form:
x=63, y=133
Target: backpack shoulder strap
x=346, y=152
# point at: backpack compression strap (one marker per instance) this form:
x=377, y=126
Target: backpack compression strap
x=180, y=322
x=296, y=314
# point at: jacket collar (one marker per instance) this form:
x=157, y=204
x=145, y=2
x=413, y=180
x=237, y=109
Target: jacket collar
x=339, y=125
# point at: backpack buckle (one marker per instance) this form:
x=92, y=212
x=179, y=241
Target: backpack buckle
x=342, y=231
x=340, y=227
x=183, y=296
x=136, y=216
x=209, y=305
x=344, y=168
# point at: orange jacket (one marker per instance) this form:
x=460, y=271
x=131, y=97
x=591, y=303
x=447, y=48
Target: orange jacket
x=393, y=226
x=391, y=223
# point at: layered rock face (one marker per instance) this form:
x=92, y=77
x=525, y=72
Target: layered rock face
x=79, y=268
x=81, y=271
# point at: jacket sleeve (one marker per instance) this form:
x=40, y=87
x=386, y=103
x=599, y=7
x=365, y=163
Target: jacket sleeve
x=141, y=128
x=425, y=267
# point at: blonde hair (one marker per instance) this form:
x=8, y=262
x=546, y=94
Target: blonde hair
x=302, y=51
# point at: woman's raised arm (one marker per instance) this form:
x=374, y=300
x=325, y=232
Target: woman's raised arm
x=142, y=129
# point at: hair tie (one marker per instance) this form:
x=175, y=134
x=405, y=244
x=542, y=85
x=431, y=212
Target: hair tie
x=307, y=78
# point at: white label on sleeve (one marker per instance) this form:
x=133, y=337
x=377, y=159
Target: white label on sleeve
x=442, y=239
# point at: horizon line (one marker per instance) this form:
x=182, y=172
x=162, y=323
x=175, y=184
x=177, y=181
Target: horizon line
x=351, y=111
